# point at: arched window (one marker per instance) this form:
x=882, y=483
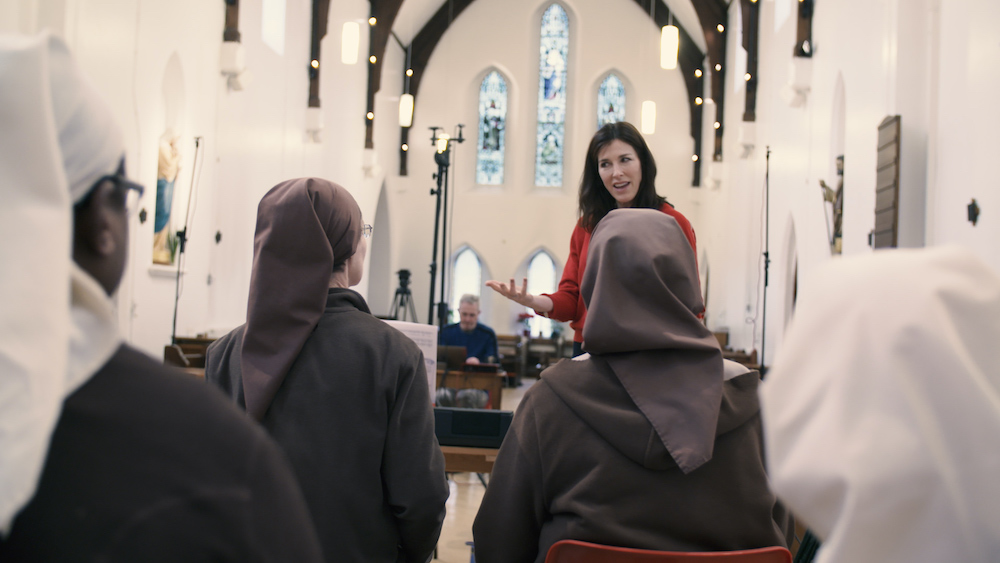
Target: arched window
x=551, y=132
x=610, y=101
x=466, y=277
x=492, y=124
x=541, y=279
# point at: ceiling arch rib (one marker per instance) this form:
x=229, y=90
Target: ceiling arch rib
x=320, y=19
x=690, y=59
x=384, y=12
x=421, y=49
x=750, y=12
x=714, y=17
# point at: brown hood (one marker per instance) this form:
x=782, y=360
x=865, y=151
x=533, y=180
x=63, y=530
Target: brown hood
x=305, y=228
x=593, y=392
x=643, y=299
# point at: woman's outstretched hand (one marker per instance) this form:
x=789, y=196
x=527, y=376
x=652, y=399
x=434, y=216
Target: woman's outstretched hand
x=521, y=296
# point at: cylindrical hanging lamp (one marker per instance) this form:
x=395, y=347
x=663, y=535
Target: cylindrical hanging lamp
x=350, y=43
x=406, y=110
x=648, y=117
x=670, y=41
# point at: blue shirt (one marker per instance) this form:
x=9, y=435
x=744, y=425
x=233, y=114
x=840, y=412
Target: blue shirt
x=481, y=342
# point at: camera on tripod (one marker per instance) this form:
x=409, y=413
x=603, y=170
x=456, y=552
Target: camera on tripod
x=404, y=278
x=402, y=303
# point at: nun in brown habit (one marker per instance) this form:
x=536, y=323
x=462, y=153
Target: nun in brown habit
x=651, y=440
x=343, y=393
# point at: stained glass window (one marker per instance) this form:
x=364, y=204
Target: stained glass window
x=610, y=101
x=492, y=123
x=541, y=279
x=466, y=276
x=551, y=132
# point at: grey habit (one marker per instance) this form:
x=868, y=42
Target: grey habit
x=644, y=443
x=352, y=411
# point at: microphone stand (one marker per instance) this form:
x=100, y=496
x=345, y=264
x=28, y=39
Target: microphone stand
x=767, y=259
x=182, y=238
x=443, y=160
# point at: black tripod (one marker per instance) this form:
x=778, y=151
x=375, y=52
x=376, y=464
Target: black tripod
x=403, y=301
x=443, y=159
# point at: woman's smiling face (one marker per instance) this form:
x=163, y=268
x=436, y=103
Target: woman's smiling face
x=620, y=171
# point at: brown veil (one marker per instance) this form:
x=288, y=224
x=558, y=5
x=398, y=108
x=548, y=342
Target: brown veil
x=306, y=228
x=643, y=299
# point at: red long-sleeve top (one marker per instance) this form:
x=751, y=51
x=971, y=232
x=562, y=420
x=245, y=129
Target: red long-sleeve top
x=567, y=303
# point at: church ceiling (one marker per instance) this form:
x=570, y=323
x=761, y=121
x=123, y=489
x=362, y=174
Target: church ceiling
x=418, y=25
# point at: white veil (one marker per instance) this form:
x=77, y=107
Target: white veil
x=882, y=410
x=57, y=325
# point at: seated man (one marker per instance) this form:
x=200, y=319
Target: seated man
x=479, y=340
x=105, y=454
x=882, y=409
x=651, y=440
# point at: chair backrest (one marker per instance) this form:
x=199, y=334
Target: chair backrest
x=573, y=551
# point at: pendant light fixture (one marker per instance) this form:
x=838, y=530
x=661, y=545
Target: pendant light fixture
x=648, y=117
x=669, y=44
x=350, y=42
x=406, y=100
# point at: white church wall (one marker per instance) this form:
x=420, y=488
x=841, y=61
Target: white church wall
x=507, y=223
x=927, y=61
x=251, y=139
x=801, y=146
x=964, y=142
x=935, y=63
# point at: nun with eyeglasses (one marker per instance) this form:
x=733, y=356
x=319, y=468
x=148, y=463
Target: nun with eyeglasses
x=105, y=454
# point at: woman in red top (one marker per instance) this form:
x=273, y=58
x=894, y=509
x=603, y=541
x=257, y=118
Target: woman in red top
x=619, y=172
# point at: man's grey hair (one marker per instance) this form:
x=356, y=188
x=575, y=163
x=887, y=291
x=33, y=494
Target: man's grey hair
x=470, y=299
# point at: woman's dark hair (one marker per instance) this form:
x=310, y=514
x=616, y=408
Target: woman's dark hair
x=595, y=201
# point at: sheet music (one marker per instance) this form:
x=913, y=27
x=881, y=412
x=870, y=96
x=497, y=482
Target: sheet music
x=426, y=338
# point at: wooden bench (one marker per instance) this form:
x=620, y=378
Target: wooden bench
x=491, y=382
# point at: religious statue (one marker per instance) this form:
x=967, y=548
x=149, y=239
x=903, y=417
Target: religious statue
x=836, y=197
x=168, y=165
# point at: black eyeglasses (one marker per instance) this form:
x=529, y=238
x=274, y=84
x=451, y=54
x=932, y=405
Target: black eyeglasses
x=366, y=230
x=129, y=191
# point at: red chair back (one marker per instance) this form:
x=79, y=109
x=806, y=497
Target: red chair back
x=573, y=551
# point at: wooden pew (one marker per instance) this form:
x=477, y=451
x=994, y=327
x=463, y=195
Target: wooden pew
x=188, y=354
x=510, y=347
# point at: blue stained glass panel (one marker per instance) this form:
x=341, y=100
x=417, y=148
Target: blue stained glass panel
x=610, y=101
x=551, y=132
x=492, y=124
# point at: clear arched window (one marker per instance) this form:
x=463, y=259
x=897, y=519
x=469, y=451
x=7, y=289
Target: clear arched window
x=492, y=124
x=466, y=277
x=551, y=132
x=610, y=101
x=542, y=278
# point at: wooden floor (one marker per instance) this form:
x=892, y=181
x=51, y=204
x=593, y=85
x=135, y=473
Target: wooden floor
x=466, y=494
